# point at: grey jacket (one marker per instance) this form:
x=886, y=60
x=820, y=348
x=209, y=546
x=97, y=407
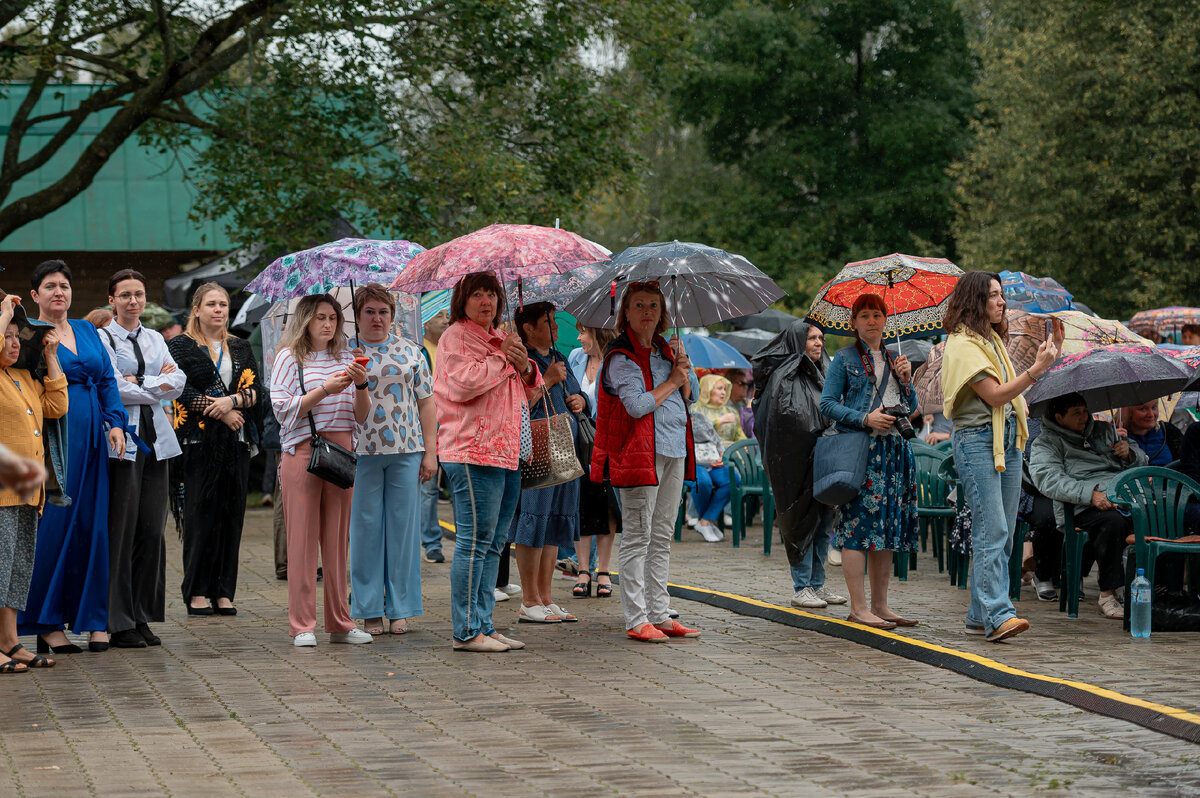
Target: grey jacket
x=1067, y=466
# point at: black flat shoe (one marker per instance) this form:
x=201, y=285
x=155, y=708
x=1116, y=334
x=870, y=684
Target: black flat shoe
x=45, y=648
x=150, y=638
x=127, y=638
x=96, y=647
x=199, y=610
x=225, y=610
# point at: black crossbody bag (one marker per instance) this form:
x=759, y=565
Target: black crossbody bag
x=333, y=463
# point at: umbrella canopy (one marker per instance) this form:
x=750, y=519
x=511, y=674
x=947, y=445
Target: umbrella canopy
x=702, y=285
x=1165, y=320
x=915, y=291
x=557, y=289
x=509, y=250
x=748, y=342
x=769, y=319
x=433, y=303
x=712, y=353
x=1189, y=355
x=1111, y=377
x=1035, y=294
x=347, y=261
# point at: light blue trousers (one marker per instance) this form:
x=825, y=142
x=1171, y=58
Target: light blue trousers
x=385, y=537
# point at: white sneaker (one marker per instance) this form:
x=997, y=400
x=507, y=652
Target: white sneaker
x=511, y=589
x=709, y=531
x=691, y=520
x=829, y=597
x=807, y=599
x=500, y=595
x=835, y=557
x=304, y=639
x=355, y=636
x=672, y=613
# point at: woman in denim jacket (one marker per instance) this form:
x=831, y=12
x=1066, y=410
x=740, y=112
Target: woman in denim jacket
x=863, y=379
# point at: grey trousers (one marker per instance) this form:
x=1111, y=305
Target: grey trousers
x=648, y=520
x=137, y=516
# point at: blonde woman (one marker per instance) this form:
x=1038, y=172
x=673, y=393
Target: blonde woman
x=216, y=423
x=315, y=376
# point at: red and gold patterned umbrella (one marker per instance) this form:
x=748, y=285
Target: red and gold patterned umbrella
x=915, y=291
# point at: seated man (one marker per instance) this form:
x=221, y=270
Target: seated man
x=1072, y=461
x=1189, y=464
x=1160, y=441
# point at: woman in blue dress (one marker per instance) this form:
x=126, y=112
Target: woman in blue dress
x=70, y=562
x=546, y=517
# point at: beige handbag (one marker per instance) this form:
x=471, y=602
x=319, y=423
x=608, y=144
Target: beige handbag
x=553, y=461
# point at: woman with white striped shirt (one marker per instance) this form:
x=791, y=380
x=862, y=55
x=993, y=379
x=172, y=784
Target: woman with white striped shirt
x=315, y=374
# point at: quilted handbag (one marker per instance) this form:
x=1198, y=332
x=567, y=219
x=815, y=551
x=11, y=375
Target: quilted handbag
x=840, y=466
x=333, y=463
x=553, y=461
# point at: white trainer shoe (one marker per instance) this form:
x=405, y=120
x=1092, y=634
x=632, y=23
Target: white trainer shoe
x=708, y=530
x=355, y=636
x=511, y=589
x=304, y=639
x=807, y=599
x=829, y=597
x=500, y=595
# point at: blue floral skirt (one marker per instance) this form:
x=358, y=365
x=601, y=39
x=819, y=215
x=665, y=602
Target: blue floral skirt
x=883, y=516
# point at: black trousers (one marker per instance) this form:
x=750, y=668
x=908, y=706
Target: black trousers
x=1107, y=530
x=137, y=515
x=214, y=508
x=1047, y=538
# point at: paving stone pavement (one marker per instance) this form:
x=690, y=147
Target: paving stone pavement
x=228, y=707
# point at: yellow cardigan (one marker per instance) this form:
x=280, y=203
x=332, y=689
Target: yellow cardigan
x=22, y=414
x=968, y=354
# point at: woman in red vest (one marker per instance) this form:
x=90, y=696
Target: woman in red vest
x=644, y=446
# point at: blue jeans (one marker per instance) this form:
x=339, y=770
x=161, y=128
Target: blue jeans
x=993, y=497
x=385, y=557
x=811, y=572
x=712, y=491
x=431, y=530
x=485, y=499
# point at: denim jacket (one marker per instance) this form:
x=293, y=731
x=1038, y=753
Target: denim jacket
x=849, y=395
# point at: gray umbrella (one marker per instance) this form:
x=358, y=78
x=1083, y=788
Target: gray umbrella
x=748, y=342
x=1109, y=377
x=702, y=285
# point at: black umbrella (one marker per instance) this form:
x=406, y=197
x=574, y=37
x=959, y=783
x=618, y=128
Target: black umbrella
x=769, y=319
x=748, y=342
x=1110, y=377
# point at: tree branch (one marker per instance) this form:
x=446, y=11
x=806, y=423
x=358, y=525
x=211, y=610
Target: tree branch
x=11, y=9
x=164, y=32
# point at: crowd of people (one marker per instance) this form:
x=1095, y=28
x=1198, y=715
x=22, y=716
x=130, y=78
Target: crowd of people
x=156, y=424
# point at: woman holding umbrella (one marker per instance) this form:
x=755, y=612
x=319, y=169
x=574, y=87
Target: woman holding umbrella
x=982, y=397
x=644, y=446
x=866, y=388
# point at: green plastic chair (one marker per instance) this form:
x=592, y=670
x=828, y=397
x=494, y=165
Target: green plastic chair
x=745, y=458
x=1156, y=498
x=933, y=507
x=957, y=564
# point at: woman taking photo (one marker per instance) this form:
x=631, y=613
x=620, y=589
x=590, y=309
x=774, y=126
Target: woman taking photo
x=862, y=381
x=983, y=399
x=216, y=422
x=315, y=384
x=546, y=517
x=396, y=453
x=70, y=565
x=484, y=383
x=137, y=512
x=25, y=403
x=599, y=511
x=644, y=446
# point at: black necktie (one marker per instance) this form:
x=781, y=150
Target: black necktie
x=146, y=424
x=137, y=352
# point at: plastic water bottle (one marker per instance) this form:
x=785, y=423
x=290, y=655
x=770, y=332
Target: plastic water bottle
x=1139, y=602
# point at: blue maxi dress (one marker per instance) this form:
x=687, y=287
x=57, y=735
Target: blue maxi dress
x=70, y=562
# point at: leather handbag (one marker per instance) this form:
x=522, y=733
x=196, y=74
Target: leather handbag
x=553, y=461
x=329, y=461
x=585, y=437
x=840, y=466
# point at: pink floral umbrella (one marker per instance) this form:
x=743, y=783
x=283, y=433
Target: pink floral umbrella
x=509, y=250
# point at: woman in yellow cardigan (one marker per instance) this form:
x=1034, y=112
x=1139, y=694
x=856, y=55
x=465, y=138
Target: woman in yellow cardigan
x=24, y=404
x=983, y=399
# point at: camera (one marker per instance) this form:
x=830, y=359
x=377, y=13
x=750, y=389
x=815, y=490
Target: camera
x=902, y=424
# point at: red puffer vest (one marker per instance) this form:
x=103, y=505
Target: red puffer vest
x=624, y=447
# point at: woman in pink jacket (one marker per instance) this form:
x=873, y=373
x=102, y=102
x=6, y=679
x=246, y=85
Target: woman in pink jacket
x=483, y=383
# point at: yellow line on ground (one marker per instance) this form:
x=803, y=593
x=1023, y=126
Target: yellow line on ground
x=984, y=661
x=446, y=525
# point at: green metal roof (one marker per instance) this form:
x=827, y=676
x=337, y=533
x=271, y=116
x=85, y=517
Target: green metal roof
x=138, y=201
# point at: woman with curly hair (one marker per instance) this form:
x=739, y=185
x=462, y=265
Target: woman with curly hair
x=216, y=422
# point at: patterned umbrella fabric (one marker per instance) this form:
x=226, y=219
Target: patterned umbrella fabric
x=915, y=291
x=1035, y=294
x=348, y=261
x=702, y=285
x=508, y=250
x=712, y=353
x=1165, y=320
x=1189, y=355
x=557, y=289
x=1111, y=377
x=433, y=303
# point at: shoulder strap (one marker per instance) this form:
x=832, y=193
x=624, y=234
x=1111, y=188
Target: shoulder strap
x=312, y=425
x=112, y=342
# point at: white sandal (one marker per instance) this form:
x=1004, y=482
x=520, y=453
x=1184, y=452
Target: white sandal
x=561, y=613
x=537, y=615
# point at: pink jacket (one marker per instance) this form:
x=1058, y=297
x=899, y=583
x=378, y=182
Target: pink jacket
x=479, y=398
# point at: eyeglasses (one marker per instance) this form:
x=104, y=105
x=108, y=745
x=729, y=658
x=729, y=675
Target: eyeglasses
x=125, y=297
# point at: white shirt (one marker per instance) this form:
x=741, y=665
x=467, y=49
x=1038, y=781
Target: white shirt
x=155, y=386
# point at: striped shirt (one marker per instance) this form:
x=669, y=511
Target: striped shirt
x=331, y=414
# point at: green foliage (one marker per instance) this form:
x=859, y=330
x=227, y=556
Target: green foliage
x=815, y=133
x=1085, y=161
